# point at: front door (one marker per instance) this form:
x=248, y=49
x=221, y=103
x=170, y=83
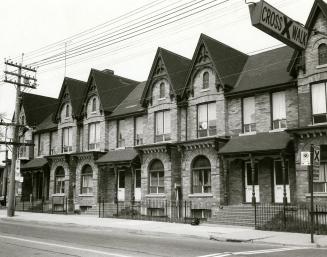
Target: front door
x=121, y=185
x=137, y=183
x=278, y=182
x=248, y=183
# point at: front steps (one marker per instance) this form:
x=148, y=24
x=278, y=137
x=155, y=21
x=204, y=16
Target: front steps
x=238, y=215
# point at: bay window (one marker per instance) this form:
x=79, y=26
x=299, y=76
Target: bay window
x=87, y=180
x=156, y=173
x=162, y=126
x=120, y=134
x=249, y=114
x=59, y=183
x=94, y=136
x=138, y=131
x=318, y=94
x=67, y=140
x=201, y=175
x=207, y=120
x=320, y=178
x=279, y=110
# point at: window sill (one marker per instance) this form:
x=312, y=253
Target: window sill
x=161, y=99
x=277, y=130
x=85, y=195
x=248, y=133
x=201, y=195
x=317, y=194
x=317, y=124
x=205, y=90
x=59, y=194
x=155, y=195
x=321, y=66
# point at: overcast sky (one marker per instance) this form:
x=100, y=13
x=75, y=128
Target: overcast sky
x=30, y=25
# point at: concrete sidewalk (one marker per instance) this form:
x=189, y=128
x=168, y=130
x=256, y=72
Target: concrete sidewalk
x=214, y=232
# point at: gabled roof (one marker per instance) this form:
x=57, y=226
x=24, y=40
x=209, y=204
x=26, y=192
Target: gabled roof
x=112, y=89
x=176, y=66
x=37, y=107
x=227, y=61
x=121, y=155
x=76, y=90
x=47, y=124
x=317, y=7
x=131, y=104
x=264, y=70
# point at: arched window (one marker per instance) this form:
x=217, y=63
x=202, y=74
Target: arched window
x=67, y=111
x=156, y=173
x=59, y=181
x=205, y=80
x=86, y=180
x=162, y=93
x=94, y=104
x=322, y=54
x=201, y=175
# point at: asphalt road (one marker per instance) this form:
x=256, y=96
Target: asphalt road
x=20, y=239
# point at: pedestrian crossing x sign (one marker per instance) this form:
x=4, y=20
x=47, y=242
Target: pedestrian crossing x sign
x=316, y=155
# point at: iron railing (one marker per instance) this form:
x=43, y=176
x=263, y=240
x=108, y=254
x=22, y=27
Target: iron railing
x=291, y=218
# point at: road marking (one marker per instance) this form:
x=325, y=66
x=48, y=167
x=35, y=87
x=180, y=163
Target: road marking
x=63, y=246
x=224, y=254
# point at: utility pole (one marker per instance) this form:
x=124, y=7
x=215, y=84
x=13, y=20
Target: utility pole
x=18, y=75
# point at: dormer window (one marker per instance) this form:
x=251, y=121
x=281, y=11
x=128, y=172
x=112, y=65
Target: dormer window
x=162, y=90
x=67, y=111
x=205, y=80
x=322, y=54
x=94, y=104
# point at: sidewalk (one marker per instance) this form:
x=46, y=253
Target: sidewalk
x=214, y=232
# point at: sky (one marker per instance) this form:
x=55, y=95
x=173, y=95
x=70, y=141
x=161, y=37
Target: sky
x=29, y=26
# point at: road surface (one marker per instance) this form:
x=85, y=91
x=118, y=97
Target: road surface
x=34, y=239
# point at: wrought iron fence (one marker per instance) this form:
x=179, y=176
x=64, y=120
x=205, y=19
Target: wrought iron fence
x=55, y=204
x=155, y=210
x=291, y=218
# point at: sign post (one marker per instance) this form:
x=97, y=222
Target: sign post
x=275, y=23
x=314, y=170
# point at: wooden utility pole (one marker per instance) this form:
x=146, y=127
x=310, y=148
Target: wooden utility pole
x=18, y=76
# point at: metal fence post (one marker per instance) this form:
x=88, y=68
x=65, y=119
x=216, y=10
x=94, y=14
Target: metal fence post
x=102, y=207
x=52, y=204
x=99, y=206
x=255, y=215
x=66, y=204
x=23, y=205
x=166, y=207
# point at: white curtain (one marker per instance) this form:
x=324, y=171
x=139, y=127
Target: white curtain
x=202, y=115
x=318, y=98
x=212, y=111
x=92, y=133
x=139, y=126
x=279, y=106
x=97, y=132
x=249, y=110
x=159, y=123
x=167, y=122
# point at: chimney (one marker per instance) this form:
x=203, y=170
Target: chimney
x=108, y=71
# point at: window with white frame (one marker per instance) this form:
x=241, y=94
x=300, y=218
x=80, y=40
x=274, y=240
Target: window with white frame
x=59, y=185
x=205, y=80
x=94, y=136
x=162, y=126
x=67, y=140
x=138, y=130
x=201, y=175
x=322, y=54
x=156, y=173
x=94, y=105
x=87, y=180
x=279, y=110
x=162, y=91
x=320, y=178
x=67, y=111
x=207, y=123
x=120, y=133
x=318, y=94
x=249, y=114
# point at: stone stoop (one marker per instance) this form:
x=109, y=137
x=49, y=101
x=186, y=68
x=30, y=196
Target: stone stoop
x=240, y=215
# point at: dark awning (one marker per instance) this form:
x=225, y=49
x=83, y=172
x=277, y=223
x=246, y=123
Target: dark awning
x=121, y=155
x=37, y=163
x=261, y=142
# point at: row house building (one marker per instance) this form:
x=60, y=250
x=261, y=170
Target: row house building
x=223, y=128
